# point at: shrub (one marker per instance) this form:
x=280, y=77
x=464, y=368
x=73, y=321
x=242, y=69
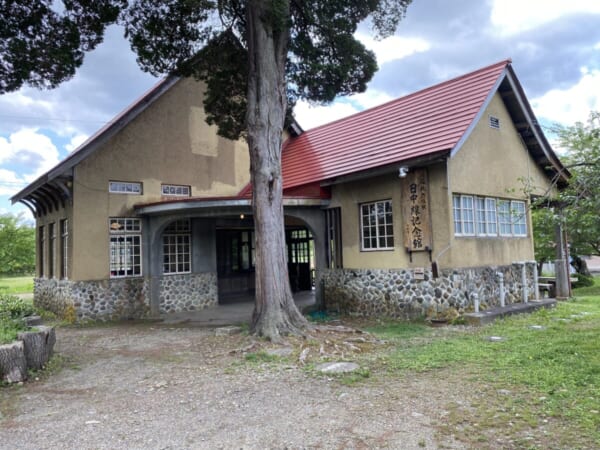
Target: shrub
x=583, y=281
x=9, y=329
x=13, y=307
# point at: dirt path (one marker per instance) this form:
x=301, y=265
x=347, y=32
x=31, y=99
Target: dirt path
x=149, y=386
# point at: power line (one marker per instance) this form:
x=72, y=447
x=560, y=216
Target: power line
x=53, y=119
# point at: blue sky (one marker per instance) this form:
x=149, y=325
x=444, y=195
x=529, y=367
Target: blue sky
x=554, y=46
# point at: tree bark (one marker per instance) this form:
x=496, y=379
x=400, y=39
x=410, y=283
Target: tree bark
x=39, y=346
x=13, y=364
x=275, y=312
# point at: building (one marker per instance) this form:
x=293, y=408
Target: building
x=403, y=209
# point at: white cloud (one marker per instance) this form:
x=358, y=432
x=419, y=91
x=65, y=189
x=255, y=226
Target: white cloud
x=371, y=98
x=571, y=105
x=310, y=116
x=33, y=152
x=394, y=47
x=514, y=16
x=10, y=182
x=75, y=142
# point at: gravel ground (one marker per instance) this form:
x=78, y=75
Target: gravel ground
x=143, y=386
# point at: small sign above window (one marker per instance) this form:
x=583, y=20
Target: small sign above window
x=122, y=187
x=175, y=190
x=494, y=122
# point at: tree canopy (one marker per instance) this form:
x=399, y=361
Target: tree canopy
x=17, y=246
x=577, y=205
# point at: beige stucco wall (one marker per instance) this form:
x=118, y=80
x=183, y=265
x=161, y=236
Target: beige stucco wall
x=491, y=163
x=170, y=143
x=349, y=196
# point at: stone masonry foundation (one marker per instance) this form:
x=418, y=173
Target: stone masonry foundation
x=125, y=298
x=399, y=294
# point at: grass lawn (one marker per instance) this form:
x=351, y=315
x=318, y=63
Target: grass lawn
x=16, y=285
x=539, y=385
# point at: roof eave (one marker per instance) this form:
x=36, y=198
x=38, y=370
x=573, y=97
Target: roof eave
x=100, y=137
x=532, y=121
x=389, y=168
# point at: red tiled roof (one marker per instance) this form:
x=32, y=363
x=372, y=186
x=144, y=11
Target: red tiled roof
x=423, y=123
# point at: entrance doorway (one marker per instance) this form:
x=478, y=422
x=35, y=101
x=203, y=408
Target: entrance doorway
x=300, y=251
x=236, y=262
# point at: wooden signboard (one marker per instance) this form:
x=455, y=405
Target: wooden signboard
x=415, y=211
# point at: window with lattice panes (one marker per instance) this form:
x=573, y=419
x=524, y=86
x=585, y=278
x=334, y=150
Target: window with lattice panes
x=125, y=247
x=376, y=224
x=177, y=248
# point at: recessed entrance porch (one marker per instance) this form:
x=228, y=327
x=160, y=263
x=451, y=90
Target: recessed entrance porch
x=236, y=313
x=220, y=249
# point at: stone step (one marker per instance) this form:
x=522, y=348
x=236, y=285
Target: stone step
x=489, y=315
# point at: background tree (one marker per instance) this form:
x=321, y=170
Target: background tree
x=578, y=205
x=544, y=227
x=265, y=54
x=17, y=246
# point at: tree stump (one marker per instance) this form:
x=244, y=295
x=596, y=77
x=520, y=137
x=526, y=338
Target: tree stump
x=38, y=346
x=13, y=364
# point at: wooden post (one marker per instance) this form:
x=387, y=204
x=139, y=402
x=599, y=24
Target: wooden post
x=561, y=265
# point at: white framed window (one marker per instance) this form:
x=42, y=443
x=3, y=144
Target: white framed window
x=125, y=187
x=125, y=225
x=491, y=219
x=485, y=214
x=504, y=220
x=518, y=218
x=376, y=226
x=488, y=216
x=175, y=190
x=464, y=215
x=125, y=247
x=177, y=248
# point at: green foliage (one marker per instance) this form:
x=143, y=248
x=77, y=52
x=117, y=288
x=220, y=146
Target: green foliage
x=544, y=223
x=17, y=246
x=12, y=310
x=576, y=206
x=583, y=281
x=42, y=47
x=593, y=289
x=559, y=363
x=14, y=307
x=9, y=330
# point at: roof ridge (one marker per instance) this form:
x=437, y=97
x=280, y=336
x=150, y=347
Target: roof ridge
x=504, y=62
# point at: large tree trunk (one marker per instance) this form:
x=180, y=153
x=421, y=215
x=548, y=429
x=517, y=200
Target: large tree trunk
x=275, y=312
